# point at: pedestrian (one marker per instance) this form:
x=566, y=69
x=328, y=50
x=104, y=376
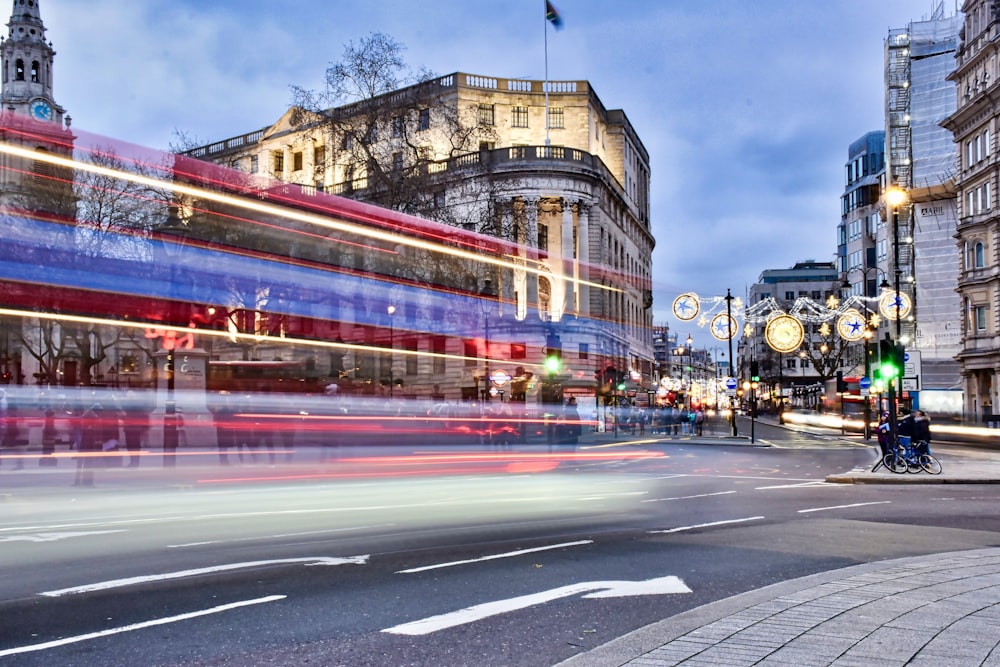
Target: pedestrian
x=136, y=424
x=699, y=421
x=884, y=436
x=675, y=419
x=91, y=434
x=922, y=432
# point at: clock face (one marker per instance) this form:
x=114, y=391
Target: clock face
x=40, y=110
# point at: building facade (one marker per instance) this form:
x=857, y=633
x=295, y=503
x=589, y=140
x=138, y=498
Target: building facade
x=921, y=160
x=793, y=377
x=974, y=125
x=575, y=208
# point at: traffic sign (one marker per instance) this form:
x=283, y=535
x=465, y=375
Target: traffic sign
x=731, y=384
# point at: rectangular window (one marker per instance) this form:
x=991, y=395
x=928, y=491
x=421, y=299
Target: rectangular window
x=397, y=161
x=347, y=141
x=410, y=344
x=980, y=315
x=438, y=348
x=297, y=161
x=278, y=160
x=424, y=119
x=397, y=126
x=319, y=156
x=789, y=296
x=543, y=237
x=584, y=350
x=253, y=164
x=519, y=117
x=486, y=114
x=556, y=117
x=986, y=142
x=470, y=352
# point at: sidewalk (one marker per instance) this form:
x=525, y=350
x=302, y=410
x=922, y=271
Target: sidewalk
x=929, y=611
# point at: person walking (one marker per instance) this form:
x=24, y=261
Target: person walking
x=699, y=421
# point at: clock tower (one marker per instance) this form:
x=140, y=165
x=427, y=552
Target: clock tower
x=27, y=66
x=30, y=118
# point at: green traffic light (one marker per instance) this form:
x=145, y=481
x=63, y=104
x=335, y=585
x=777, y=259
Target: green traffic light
x=889, y=370
x=621, y=387
x=553, y=364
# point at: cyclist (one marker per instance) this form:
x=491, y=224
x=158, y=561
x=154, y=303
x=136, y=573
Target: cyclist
x=883, y=434
x=922, y=432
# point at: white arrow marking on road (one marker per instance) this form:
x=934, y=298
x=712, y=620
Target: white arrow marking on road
x=52, y=537
x=594, y=589
x=137, y=626
x=131, y=581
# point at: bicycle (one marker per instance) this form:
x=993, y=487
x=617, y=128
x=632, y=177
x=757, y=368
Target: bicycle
x=910, y=456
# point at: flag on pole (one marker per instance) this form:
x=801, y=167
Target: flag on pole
x=552, y=15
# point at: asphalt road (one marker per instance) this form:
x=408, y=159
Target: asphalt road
x=438, y=558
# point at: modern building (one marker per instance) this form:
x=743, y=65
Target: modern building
x=812, y=354
x=553, y=172
x=920, y=159
x=974, y=125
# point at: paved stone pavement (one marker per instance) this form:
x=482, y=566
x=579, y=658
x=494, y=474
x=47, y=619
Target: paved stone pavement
x=930, y=611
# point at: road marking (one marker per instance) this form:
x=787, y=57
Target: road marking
x=700, y=495
x=818, y=482
x=137, y=626
x=132, y=581
x=52, y=537
x=706, y=525
x=593, y=589
x=840, y=507
x=509, y=554
x=280, y=535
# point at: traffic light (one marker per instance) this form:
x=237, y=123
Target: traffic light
x=553, y=363
x=553, y=354
x=841, y=385
x=890, y=360
x=754, y=371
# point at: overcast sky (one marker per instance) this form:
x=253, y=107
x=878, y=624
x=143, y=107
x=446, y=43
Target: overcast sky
x=746, y=107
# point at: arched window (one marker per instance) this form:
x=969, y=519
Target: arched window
x=979, y=255
x=544, y=297
x=19, y=70
x=34, y=71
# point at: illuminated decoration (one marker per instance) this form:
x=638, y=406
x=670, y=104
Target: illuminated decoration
x=784, y=333
x=851, y=326
x=724, y=326
x=686, y=307
x=892, y=302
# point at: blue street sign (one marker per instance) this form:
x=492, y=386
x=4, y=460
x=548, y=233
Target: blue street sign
x=865, y=383
x=731, y=384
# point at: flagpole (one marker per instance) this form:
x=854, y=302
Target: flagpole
x=545, y=84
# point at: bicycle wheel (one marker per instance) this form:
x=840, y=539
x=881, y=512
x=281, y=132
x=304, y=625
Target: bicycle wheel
x=913, y=464
x=894, y=462
x=930, y=464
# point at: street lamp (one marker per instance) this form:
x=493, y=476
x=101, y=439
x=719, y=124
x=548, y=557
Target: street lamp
x=690, y=369
x=488, y=294
x=895, y=197
x=392, y=380
x=172, y=251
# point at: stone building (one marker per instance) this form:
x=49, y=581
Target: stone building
x=542, y=166
x=975, y=124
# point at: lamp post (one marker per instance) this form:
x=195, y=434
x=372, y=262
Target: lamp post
x=392, y=380
x=486, y=305
x=178, y=229
x=895, y=196
x=690, y=370
x=730, y=332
